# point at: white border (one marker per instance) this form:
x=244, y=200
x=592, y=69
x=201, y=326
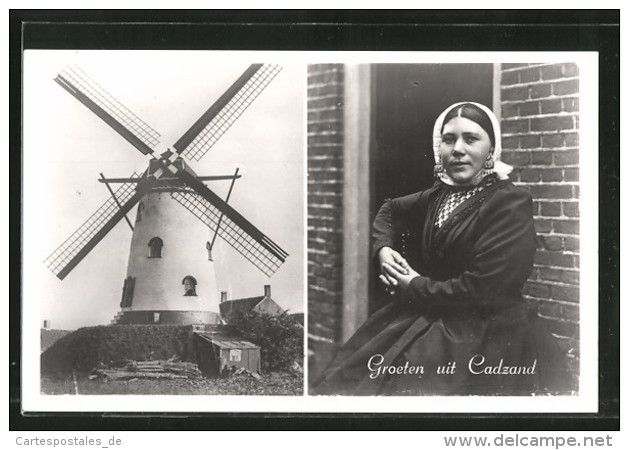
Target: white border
x=586, y=401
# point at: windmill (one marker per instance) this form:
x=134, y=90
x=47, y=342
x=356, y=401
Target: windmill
x=170, y=275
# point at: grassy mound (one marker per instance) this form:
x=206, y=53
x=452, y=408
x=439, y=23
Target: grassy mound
x=86, y=348
x=49, y=337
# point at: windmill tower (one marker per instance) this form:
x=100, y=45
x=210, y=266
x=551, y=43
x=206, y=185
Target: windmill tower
x=170, y=275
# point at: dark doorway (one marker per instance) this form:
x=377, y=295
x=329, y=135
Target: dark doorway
x=407, y=98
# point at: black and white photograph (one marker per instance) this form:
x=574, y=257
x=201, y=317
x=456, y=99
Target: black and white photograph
x=163, y=204
x=379, y=227
x=303, y=220
x=444, y=228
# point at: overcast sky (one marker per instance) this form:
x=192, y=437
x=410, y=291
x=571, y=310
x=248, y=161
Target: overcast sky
x=66, y=147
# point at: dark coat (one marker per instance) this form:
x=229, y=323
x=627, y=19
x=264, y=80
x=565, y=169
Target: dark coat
x=465, y=311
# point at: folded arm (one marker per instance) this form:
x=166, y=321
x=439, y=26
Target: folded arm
x=502, y=256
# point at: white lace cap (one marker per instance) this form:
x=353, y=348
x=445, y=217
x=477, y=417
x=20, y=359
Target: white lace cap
x=501, y=169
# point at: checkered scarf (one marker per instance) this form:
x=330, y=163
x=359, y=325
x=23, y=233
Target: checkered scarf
x=453, y=199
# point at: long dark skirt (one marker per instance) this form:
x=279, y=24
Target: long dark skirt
x=399, y=351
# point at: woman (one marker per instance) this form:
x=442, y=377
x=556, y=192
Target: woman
x=457, y=324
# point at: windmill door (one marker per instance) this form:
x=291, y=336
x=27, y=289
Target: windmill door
x=407, y=99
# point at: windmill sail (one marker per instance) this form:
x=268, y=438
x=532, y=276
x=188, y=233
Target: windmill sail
x=94, y=229
x=262, y=252
x=225, y=111
x=230, y=225
x=101, y=103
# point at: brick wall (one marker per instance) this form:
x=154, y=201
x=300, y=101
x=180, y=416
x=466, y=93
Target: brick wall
x=325, y=214
x=540, y=120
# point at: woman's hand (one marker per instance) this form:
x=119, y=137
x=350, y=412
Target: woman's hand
x=399, y=279
x=394, y=270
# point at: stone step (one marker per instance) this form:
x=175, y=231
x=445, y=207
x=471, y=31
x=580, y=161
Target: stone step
x=116, y=318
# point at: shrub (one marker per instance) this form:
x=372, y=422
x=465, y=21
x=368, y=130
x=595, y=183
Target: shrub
x=281, y=338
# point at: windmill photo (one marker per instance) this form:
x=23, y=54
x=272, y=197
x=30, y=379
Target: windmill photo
x=150, y=290
x=173, y=271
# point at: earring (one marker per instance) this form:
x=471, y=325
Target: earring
x=489, y=162
x=438, y=170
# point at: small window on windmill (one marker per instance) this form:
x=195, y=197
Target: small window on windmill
x=235, y=354
x=138, y=217
x=155, y=247
x=189, y=286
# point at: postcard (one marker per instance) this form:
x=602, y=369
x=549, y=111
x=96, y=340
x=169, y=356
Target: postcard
x=215, y=231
